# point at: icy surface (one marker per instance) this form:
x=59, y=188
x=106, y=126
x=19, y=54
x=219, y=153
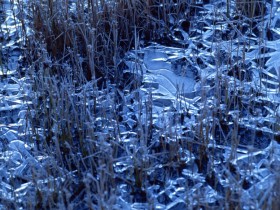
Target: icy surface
x=182, y=89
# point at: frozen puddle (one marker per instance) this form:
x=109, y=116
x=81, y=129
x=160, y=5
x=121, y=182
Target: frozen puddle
x=167, y=67
x=166, y=72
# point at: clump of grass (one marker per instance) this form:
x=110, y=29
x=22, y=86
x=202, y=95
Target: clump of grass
x=98, y=32
x=251, y=8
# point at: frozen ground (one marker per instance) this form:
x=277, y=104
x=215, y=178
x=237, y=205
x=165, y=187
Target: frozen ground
x=186, y=87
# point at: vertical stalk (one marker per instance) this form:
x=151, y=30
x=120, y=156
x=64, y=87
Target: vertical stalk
x=228, y=8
